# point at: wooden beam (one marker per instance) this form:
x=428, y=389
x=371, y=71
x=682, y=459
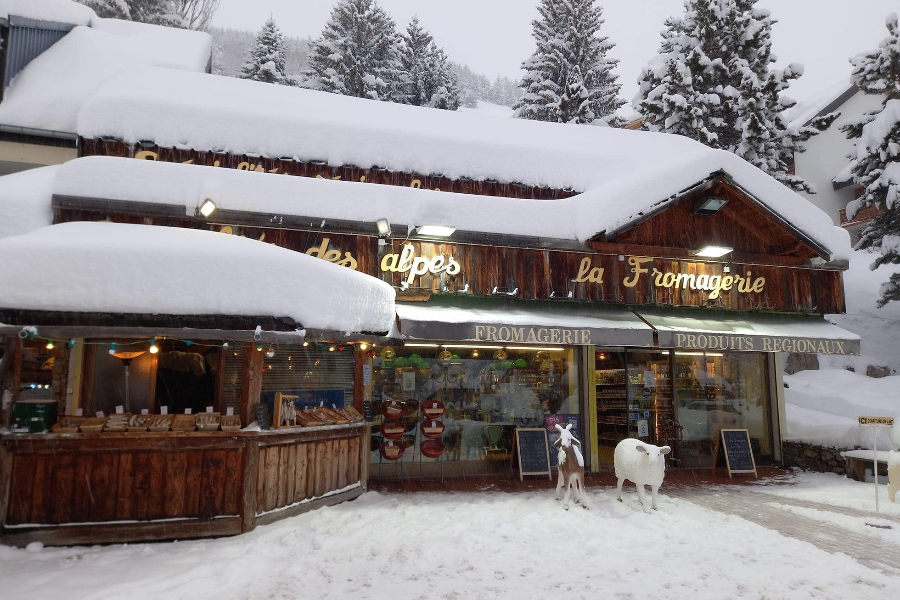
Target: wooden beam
x=251, y=383
x=76, y=373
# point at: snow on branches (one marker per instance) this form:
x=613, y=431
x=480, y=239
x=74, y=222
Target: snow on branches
x=875, y=159
x=358, y=53
x=266, y=59
x=712, y=81
x=569, y=78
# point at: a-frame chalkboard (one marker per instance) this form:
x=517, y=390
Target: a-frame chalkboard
x=533, y=451
x=733, y=451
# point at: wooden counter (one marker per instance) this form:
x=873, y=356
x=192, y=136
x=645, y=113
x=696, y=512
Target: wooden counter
x=63, y=489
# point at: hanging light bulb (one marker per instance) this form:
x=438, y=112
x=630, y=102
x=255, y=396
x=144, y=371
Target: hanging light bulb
x=500, y=354
x=112, y=347
x=474, y=353
x=70, y=344
x=153, y=348
x=445, y=354
x=388, y=353
x=224, y=344
x=305, y=344
x=363, y=346
x=331, y=348
x=50, y=345
x=270, y=352
x=259, y=347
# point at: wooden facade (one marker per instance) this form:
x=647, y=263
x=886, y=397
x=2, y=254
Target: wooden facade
x=101, y=488
x=791, y=285
x=313, y=168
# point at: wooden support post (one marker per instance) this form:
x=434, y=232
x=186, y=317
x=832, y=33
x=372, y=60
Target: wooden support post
x=73, y=383
x=251, y=384
x=250, y=474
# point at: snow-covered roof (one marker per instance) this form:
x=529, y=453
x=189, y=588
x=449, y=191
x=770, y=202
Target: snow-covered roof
x=49, y=92
x=819, y=103
x=57, y=11
x=119, y=268
x=602, y=208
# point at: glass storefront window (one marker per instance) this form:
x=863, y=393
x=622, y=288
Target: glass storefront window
x=477, y=396
x=718, y=391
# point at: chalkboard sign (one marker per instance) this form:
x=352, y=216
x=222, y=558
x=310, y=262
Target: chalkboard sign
x=734, y=452
x=367, y=411
x=262, y=416
x=533, y=451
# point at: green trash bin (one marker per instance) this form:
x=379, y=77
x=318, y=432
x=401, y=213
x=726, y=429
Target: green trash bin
x=33, y=416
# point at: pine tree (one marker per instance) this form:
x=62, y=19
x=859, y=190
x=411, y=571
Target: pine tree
x=875, y=160
x=431, y=81
x=358, y=53
x=568, y=78
x=712, y=81
x=266, y=59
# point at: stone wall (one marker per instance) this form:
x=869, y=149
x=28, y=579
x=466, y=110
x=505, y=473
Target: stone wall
x=813, y=458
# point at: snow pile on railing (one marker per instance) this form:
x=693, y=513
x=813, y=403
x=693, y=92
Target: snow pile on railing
x=118, y=268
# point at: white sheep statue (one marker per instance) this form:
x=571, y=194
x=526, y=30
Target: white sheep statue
x=570, y=466
x=893, y=475
x=641, y=463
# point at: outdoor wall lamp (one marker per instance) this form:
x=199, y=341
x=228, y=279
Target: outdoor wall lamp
x=384, y=227
x=435, y=230
x=207, y=208
x=713, y=251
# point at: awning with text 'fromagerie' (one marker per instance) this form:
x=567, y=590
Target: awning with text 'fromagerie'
x=701, y=329
x=519, y=323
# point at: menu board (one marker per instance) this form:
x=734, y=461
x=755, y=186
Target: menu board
x=733, y=451
x=533, y=453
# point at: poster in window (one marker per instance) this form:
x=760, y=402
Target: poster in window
x=409, y=381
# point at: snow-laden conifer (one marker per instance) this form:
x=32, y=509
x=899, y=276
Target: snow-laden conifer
x=712, y=81
x=875, y=160
x=266, y=59
x=431, y=81
x=569, y=77
x=358, y=53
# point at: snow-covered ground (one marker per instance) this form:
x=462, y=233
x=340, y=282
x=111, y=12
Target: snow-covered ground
x=831, y=489
x=822, y=406
x=463, y=545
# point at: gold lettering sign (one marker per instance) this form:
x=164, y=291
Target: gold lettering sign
x=714, y=284
x=532, y=335
x=714, y=341
x=588, y=272
x=332, y=255
x=408, y=262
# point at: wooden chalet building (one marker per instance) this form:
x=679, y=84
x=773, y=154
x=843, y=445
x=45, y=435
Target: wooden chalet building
x=632, y=284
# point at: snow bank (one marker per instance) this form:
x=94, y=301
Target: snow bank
x=59, y=11
x=461, y=545
x=622, y=173
x=25, y=201
x=822, y=408
x=49, y=92
x=107, y=267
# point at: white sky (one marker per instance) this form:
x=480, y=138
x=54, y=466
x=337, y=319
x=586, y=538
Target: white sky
x=493, y=37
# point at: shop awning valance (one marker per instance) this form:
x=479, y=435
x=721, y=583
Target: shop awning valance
x=696, y=329
x=555, y=325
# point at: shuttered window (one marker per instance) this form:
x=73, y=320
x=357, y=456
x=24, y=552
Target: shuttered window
x=308, y=368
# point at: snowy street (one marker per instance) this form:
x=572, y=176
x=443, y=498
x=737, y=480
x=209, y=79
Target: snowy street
x=804, y=541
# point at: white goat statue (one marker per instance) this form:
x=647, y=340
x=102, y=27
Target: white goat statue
x=893, y=475
x=641, y=463
x=570, y=463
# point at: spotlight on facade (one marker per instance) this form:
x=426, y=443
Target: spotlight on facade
x=710, y=205
x=713, y=251
x=435, y=230
x=207, y=208
x=384, y=227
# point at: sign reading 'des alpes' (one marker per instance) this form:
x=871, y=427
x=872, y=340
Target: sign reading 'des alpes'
x=408, y=262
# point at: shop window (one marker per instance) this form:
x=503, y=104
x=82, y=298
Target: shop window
x=718, y=391
x=484, y=394
x=38, y=361
x=315, y=374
